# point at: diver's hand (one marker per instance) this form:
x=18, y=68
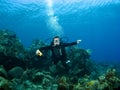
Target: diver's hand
x=38, y=52
x=78, y=41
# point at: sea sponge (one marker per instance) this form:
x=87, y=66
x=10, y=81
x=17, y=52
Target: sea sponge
x=92, y=85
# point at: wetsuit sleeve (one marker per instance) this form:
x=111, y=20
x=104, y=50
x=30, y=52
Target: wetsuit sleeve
x=45, y=48
x=69, y=44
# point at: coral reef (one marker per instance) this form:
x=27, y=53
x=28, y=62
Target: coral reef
x=11, y=50
x=21, y=69
x=16, y=72
x=80, y=61
x=3, y=72
x=4, y=84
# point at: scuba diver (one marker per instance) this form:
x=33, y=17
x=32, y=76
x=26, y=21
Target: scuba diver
x=57, y=48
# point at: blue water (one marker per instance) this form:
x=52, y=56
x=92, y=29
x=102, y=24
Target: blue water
x=95, y=22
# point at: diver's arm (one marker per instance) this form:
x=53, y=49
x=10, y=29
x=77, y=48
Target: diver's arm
x=38, y=51
x=45, y=48
x=73, y=43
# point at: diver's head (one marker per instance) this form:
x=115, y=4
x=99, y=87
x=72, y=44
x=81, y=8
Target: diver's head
x=56, y=40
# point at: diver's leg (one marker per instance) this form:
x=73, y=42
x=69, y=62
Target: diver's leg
x=53, y=67
x=65, y=65
x=55, y=61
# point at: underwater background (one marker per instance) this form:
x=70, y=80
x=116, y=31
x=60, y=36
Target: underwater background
x=95, y=22
x=28, y=25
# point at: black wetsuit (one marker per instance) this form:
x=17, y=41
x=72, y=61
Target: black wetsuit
x=58, y=52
